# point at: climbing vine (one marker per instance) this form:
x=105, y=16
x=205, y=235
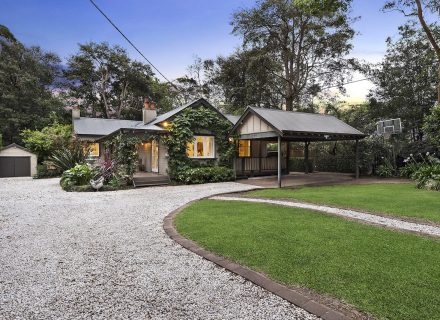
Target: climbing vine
x=122, y=149
x=191, y=122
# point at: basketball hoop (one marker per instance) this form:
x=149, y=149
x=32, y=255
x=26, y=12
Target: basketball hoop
x=387, y=128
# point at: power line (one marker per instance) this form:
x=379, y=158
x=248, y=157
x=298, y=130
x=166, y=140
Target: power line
x=131, y=43
x=336, y=86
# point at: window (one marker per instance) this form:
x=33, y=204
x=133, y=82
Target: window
x=201, y=147
x=244, y=148
x=93, y=149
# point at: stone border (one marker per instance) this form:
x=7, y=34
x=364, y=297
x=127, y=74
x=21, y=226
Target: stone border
x=291, y=295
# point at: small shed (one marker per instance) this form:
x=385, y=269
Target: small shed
x=17, y=161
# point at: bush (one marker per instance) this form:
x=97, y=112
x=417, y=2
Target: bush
x=79, y=175
x=386, y=170
x=50, y=138
x=428, y=177
x=88, y=188
x=44, y=171
x=424, y=169
x=204, y=175
x=298, y=165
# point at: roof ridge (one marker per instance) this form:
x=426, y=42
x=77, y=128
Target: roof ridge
x=290, y=111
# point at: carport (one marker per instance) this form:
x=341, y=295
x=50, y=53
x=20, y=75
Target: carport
x=282, y=127
x=16, y=161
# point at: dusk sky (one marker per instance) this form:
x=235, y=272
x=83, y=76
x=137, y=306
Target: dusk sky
x=170, y=32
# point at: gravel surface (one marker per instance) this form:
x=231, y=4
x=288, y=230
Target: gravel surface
x=388, y=222
x=105, y=255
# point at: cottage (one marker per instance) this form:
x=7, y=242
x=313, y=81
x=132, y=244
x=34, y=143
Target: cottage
x=262, y=145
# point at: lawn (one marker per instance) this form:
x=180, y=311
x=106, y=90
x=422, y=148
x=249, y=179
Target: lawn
x=386, y=273
x=401, y=200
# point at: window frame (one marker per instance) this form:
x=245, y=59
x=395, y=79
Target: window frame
x=90, y=154
x=205, y=141
x=248, y=148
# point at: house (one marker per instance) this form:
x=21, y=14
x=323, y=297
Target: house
x=262, y=144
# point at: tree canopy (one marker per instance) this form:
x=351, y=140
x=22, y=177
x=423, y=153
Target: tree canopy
x=27, y=75
x=307, y=43
x=105, y=82
x=406, y=79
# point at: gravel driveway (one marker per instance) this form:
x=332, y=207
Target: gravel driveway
x=105, y=255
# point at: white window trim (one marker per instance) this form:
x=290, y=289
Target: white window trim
x=194, y=142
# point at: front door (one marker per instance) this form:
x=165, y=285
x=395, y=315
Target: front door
x=155, y=156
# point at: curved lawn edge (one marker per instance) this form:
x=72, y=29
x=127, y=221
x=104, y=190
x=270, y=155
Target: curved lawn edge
x=291, y=295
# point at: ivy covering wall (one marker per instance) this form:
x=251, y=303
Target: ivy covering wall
x=122, y=149
x=190, y=122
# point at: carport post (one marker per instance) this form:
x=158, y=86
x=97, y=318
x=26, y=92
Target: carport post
x=279, y=161
x=306, y=157
x=357, y=160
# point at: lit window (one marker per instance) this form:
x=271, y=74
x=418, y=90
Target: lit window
x=244, y=148
x=201, y=147
x=93, y=149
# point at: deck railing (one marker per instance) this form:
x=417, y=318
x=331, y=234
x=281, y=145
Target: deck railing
x=258, y=164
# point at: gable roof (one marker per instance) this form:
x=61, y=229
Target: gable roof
x=194, y=103
x=102, y=127
x=14, y=145
x=233, y=119
x=285, y=122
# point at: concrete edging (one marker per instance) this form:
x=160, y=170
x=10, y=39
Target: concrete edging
x=291, y=295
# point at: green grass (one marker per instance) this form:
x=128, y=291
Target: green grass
x=389, y=274
x=401, y=200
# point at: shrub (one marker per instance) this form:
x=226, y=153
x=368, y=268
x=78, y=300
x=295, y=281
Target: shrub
x=79, y=175
x=50, y=138
x=424, y=169
x=428, y=177
x=386, y=170
x=67, y=158
x=88, y=188
x=204, y=175
x=44, y=171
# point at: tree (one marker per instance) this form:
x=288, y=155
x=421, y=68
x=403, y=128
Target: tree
x=198, y=82
x=244, y=81
x=308, y=41
x=431, y=125
x=406, y=79
x=105, y=82
x=418, y=8
x=27, y=77
x=47, y=140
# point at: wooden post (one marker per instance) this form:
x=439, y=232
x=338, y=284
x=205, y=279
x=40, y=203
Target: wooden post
x=306, y=157
x=288, y=157
x=279, y=161
x=357, y=160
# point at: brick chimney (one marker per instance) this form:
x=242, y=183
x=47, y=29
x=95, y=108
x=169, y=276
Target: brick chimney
x=76, y=113
x=149, y=112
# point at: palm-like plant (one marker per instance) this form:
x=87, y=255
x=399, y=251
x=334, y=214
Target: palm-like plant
x=69, y=158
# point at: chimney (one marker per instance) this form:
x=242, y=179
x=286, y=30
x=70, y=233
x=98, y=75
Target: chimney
x=149, y=112
x=76, y=113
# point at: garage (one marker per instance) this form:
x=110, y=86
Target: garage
x=16, y=161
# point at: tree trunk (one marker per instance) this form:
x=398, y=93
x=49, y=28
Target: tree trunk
x=431, y=39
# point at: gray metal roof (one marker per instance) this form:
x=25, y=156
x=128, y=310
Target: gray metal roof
x=103, y=127
x=232, y=118
x=172, y=113
x=292, y=121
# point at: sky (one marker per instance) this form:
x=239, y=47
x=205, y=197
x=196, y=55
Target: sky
x=171, y=33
